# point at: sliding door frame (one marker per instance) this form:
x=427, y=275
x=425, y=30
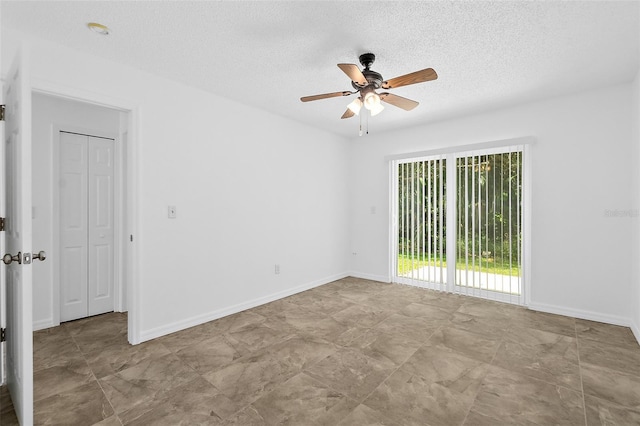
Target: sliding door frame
x=451, y=155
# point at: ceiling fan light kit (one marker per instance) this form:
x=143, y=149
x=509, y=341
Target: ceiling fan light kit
x=366, y=82
x=355, y=106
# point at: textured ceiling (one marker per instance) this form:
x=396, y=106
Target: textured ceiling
x=269, y=54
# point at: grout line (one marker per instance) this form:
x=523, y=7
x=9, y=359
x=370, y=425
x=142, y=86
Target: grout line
x=584, y=402
x=115, y=413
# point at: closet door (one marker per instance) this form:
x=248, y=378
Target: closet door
x=100, y=227
x=86, y=226
x=73, y=226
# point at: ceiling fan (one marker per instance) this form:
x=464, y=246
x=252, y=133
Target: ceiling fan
x=367, y=81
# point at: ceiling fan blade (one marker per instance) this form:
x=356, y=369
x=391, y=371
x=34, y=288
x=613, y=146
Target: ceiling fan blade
x=354, y=73
x=324, y=96
x=347, y=114
x=399, y=101
x=413, y=78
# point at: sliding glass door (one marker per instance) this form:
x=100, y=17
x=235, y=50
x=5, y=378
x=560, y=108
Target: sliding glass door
x=458, y=223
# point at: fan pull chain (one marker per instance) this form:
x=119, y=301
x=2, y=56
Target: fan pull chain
x=360, y=131
x=367, y=123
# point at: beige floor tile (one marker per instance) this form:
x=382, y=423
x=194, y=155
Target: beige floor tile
x=352, y=373
x=195, y=402
x=246, y=379
x=361, y=315
x=450, y=302
x=319, y=302
x=53, y=347
x=60, y=378
x=606, y=333
x=300, y=352
x=115, y=358
x=110, y=421
x=413, y=328
x=303, y=400
x=489, y=309
x=366, y=416
x=412, y=400
x=83, y=405
x=428, y=312
x=514, y=398
x=317, y=325
x=472, y=345
x=233, y=322
x=256, y=336
x=396, y=348
x=611, y=385
x=450, y=369
x=145, y=382
x=383, y=299
x=491, y=328
x=546, y=322
x=475, y=418
x=549, y=357
x=605, y=413
x=212, y=354
x=181, y=339
x=7, y=412
x=94, y=342
x=247, y=417
x=624, y=359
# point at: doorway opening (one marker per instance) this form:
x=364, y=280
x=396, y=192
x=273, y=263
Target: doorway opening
x=80, y=217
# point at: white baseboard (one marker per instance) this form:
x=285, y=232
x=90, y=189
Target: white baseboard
x=579, y=313
x=372, y=277
x=42, y=324
x=219, y=313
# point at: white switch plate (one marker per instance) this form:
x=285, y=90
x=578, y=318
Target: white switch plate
x=171, y=212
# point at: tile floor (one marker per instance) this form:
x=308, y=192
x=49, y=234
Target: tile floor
x=352, y=352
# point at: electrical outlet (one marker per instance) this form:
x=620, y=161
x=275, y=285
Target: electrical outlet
x=276, y=270
x=171, y=212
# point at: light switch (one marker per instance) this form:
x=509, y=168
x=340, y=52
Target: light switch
x=172, y=212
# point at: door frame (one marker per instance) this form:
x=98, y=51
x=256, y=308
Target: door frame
x=130, y=210
x=118, y=207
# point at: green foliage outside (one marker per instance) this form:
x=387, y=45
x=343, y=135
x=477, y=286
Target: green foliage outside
x=488, y=211
x=407, y=263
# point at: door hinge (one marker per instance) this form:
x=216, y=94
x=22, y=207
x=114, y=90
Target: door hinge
x=1, y=224
x=2, y=109
x=3, y=335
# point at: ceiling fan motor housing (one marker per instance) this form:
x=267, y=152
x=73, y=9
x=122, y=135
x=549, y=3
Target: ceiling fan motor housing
x=374, y=79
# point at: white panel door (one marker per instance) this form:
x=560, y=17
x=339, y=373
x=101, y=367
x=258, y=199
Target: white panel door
x=86, y=225
x=17, y=207
x=101, y=235
x=73, y=226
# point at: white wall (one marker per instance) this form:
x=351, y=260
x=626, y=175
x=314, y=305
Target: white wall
x=581, y=167
x=635, y=202
x=252, y=189
x=47, y=113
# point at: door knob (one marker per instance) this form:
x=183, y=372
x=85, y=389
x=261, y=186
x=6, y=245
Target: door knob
x=8, y=258
x=42, y=255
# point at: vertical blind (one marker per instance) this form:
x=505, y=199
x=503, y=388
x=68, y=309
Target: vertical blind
x=422, y=221
x=486, y=225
